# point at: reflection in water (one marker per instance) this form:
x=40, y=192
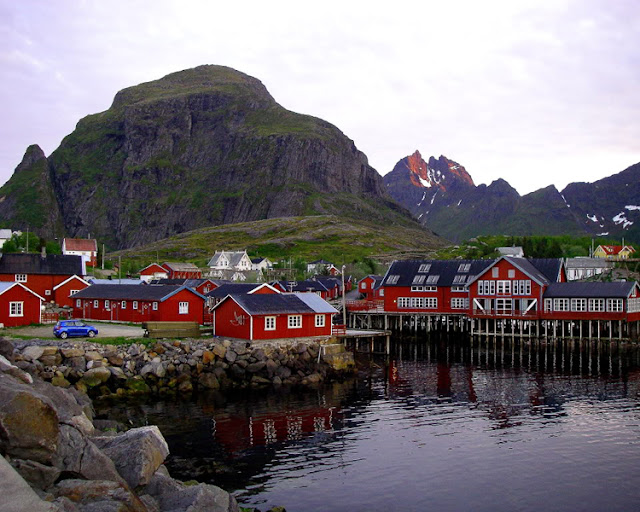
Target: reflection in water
x=442, y=425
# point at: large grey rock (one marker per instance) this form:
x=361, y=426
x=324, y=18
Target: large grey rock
x=99, y=495
x=137, y=454
x=16, y=495
x=32, y=352
x=174, y=496
x=6, y=349
x=7, y=367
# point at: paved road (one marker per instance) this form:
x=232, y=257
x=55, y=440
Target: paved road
x=104, y=331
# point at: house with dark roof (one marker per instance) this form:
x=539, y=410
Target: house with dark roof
x=126, y=303
x=179, y=270
x=42, y=273
x=202, y=286
x=332, y=284
x=87, y=248
x=19, y=305
x=430, y=286
x=369, y=286
x=272, y=316
x=216, y=295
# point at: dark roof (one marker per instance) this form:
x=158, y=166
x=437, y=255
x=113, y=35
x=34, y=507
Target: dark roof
x=328, y=281
x=308, y=285
x=433, y=272
x=232, y=289
x=594, y=289
x=191, y=283
x=550, y=267
x=53, y=264
x=266, y=304
x=128, y=292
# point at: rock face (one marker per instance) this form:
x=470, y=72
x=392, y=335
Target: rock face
x=443, y=197
x=201, y=147
x=48, y=441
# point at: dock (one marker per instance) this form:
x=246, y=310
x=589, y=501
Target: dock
x=364, y=340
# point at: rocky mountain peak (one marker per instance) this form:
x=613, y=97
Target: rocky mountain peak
x=32, y=155
x=439, y=173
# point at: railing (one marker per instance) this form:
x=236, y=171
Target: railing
x=339, y=329
x=365, y=305
x=510, y=313
x=49, y=318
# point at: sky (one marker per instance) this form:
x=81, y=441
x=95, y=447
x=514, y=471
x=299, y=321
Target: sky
x=535, y=92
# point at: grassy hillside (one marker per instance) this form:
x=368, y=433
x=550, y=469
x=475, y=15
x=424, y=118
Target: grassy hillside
x=307, y=238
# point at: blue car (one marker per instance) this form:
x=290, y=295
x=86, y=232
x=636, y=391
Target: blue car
x=65, y=328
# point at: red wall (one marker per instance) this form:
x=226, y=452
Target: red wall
x=61, y=294
x=167, y=311
x=231, y=320
x=38, y=283
x=30, y=307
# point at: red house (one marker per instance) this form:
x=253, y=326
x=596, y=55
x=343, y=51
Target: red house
x=152, y=272
x=126, y=303
x=41, y=273
x=19, y=305
x=63, y=293
x=202, y=286
x=182, y=270
x=272, y=316
x=369, y=286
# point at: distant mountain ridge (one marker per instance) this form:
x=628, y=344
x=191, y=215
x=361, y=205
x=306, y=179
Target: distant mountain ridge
x=442, y=196
x=201, y=147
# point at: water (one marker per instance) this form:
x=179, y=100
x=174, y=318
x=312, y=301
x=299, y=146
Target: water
x=446, y=426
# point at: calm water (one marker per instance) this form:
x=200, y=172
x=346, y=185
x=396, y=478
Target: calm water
x=444, y=426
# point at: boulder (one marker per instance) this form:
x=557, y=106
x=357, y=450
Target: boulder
x=72, y=352
x=32, y=352
x=6, y=349
x=16, y=494
x=209, y=381
x=99, y=495
x=137, y=454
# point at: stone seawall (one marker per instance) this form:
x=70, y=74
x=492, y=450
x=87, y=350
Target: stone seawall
x=180, y=366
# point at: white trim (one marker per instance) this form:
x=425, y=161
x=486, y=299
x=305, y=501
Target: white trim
x=21, y=308
x=263, y=285
x=14, y=283
x=74, y=276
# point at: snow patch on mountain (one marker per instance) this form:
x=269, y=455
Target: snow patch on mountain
x=592, y=218
x=632, y=207
x=621, y=219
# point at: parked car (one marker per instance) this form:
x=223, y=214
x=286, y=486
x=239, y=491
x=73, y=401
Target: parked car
x=65, y=328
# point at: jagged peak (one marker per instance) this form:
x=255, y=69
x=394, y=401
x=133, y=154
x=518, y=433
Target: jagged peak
x=439, y=173
x=32, y=155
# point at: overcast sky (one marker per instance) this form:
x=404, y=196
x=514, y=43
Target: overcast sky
x=535, y=92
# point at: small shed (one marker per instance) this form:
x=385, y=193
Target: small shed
x=19, y=305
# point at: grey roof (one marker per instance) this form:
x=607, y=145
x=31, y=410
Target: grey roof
x=234, y=258
x=510, y=251
x=110, y=282
x=51, y=264
x=550, y=267
x=181, y=266
x=538, y=271
x=317, y=303
x=5, y=233
x=232, y=289
x=191, y=283
x=595, y=289
x=128, y=292
x=587, y=263
x=328, y=281
x=434, y=272
x=280, y=303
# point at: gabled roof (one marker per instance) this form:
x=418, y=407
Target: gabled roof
x=7, y=285
x=434, y=272
x=191, y=283
x=594, y=289
x=51, y=264
x=232, y=289
x=127, y=281
x=612, y=250
x=321, y=262
x=309, y=285
x=524, y=265
x=550, y=267
x=328, y=281
x=282, y=303
x=180, y=266
x=153, y=265
x=70, y=279
x=233, y=257
x=128, y=292
x=80, y=244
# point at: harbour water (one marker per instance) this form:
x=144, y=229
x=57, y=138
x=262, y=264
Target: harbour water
x=441, y=425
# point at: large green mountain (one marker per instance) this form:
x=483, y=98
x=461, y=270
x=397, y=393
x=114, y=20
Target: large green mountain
x=201, y=147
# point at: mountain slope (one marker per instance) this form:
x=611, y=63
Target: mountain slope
x=202, y=147
x=459, y=210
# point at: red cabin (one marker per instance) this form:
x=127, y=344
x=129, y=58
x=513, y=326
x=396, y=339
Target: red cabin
x=370, y=287
x=126, y=303
x=64, y=292
x=152, y=272
x=272, y=316
x=19, y=305
x=182, y=270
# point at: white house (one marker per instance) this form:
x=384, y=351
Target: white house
x=261, y=264
x=230, y=260
x=5, y=234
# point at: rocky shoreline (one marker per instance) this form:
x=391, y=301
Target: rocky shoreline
x=164, y=367
x=56, y=458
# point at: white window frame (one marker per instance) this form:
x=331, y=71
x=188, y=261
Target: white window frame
x=578, y=304
x=504, y=305
x=459, y=303
x=154, y=306
x=294, y=321
x=269, y=323
x=78, y=303
x=21, y=278
x=123, y=304
x=73, y=292
x=96, y=303
x=596, y=305
x=183, y=308
x=503, y=287
x=47, y=292
x=320, y=321
x=561, y=305
x=615, y=305
x=107, y=305
x=135, y=304
x=16, y=308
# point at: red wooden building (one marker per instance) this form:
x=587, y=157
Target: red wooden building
x=369, y=287
x=126, y=303
x=202, y=286
x=19, y=305
x=272, y=316
x=40, y=273
x=63, y=293
x=152, y=272
x=182, y=270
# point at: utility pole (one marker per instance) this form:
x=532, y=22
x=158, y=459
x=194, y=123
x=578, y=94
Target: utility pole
x=119, y=269
x=344, y=302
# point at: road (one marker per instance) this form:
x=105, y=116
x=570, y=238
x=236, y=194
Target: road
x=104, y=331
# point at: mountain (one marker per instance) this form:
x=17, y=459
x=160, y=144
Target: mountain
x=201, y=147
x=442, y=195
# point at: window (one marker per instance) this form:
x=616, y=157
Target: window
x=269, y=323
x=424, y=267
x=561, y=304
x=486, y=287
x=522, y=287
x=123, y=304
x=504, y=305
x=47, y=292
x=73, y=292
x=633, y=305
x=547, y=305
x=381, y=292
x=155, y=306
x=578, y=304
x=21, y=278
x=294, y=321
x=15, y=308
x=459, y=303
x=135, y=304
x=417, y=302
x=419, y=279
x=464, y=267
x=78, y=303
x=503, y=287
x=320, y=319
x=596, y=305
x=432, y=279
x=417, y=288
x=95, y=303
x=495, y=272
x=183, y=308
x=363, y=285
x=511, y=273
x=106, y=304
x=615, y=305
x=459, y=279
x=457, y=289
x=393, y=279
